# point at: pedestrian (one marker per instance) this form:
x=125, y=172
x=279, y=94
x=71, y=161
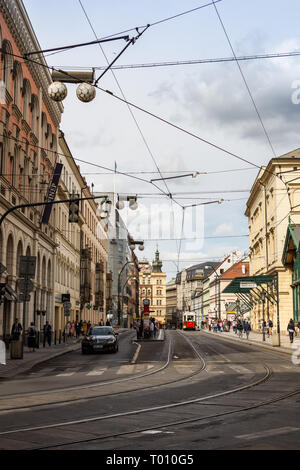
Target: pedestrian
x=247, y=329
x=84, y=327
x=291, y=329
x=72, y=330
x=228, y=325
x=32, y=336
x=47, y=333
x=240, y=328
x=270, y=326
x=152, y=330
x=107, y=323
x=77, y=329
x=298, y=326
x=68, y=329
x=88, y=327
x=234, y=326
x=16, y=330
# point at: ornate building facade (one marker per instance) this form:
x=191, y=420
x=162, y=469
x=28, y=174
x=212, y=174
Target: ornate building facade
x=29, y=123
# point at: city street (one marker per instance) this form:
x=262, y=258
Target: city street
x=192, y=391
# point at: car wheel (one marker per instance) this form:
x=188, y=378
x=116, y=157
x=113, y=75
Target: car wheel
x=116, y=349
x=84, y=351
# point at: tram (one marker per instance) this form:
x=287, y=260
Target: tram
x=189, y=321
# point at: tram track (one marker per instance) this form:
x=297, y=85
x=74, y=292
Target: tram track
x=101, y=384
x=266, y=376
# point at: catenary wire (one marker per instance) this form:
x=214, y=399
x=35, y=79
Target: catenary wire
x=244, y=79
x=123, y=95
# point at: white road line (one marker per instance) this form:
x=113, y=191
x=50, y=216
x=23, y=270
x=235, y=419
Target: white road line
x=97, y=372
x=267, y=433
x=136, y=353
x=240, y=369
x=65, y=374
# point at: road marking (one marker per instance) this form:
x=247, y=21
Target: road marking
x=267, y=433
x=65, y=374
x=97, y=372
x=240, y=369
x=156, y=432
x=136, y=353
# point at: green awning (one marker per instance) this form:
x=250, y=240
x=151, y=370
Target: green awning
x=291, y=244
x=245, y=284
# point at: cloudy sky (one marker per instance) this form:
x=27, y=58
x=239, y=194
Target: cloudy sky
x=209, y=100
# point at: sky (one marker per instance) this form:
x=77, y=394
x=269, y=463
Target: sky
x=208, y=100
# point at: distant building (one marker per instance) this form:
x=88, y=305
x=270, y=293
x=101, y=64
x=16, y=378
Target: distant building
x=172, y=318
x=153, y=287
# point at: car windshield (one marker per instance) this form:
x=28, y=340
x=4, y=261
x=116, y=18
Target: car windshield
x=101, y=331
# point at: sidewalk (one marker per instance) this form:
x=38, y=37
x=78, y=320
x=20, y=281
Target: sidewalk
x=257, y=339
x=30, y=359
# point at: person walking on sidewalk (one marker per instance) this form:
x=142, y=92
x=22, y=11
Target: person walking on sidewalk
x=291, y=329
x=32, y=336
x=16, y=330
x=270, y=326
x=240, y=328
x=152, y=330
x=247, y=329
x=47, y=333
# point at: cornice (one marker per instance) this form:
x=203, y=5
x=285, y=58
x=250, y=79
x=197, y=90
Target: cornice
x=21, y=29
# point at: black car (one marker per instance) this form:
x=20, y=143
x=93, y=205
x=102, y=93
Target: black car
x=100, y=338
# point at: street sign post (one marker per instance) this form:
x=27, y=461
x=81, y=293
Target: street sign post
x=27, y=266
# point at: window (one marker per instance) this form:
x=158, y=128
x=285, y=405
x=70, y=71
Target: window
x=26, y=99
x=243, y=269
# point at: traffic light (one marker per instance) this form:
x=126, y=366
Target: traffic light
x=74, y=209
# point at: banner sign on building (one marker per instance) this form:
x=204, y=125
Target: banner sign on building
x=52, y=192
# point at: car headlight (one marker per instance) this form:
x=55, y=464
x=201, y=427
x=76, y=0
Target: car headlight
x=111, y=340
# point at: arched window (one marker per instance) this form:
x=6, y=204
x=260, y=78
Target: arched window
x=18, y=82
x=9, y=255
x=34, y=113
x=7, y=61
x=26, y=99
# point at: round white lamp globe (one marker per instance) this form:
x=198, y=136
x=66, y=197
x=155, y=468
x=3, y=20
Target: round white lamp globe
x=57, y=91
x=85, y=92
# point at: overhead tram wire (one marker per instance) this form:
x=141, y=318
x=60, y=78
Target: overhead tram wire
x=160, y=119
x=186, y=12
x=244, y=80
x=277, y=55
x=123, y=95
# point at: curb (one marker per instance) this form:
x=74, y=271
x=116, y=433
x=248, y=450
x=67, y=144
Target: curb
x=45, y=359
x=40, y=361
x=276, y=349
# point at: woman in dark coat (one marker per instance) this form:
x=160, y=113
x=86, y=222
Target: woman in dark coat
x=291, y=329
x=32, y=336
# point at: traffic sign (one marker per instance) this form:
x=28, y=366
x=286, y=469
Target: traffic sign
x=67, y=305
x=24, y=298
x=26, y=285
x=27, y=266
x=65, y=298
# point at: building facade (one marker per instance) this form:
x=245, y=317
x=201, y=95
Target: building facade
x=273, y=201
x=29, y=123
x=172, y=318
x=153, y=288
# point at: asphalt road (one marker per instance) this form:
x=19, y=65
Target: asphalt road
x=191, y=391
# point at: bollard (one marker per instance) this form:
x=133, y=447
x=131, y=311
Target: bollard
x=59, y=338
x=55, y=338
